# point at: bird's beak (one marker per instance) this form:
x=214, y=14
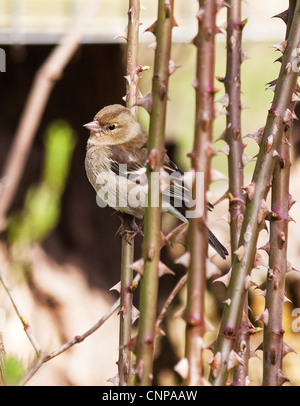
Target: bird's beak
x=93, y=126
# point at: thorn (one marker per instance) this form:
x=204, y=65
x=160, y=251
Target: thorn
x=290, y=267
x=240, y=253
x=288, y=68
x=138, y=266
x=249, y=282
x=281, y=378
x=220, y=79
x=184, y=259
x=283, y=15
x=223, y=197
x=264, y=317
x=286, y=349
x=248, y=233
x=225, y=149
x=281, y=46
x=266, y=247
x=114, y=380
x=259, y=261
x=222, y=136
x=289, y=115
x=224, y=100
x=216, y=175
x=227, y=301
x=281, y=239
x=172, y=67
x=225, y=279
x=123, y=34
x=135, y=314
x=262, y=212
x=146, y=102
x=269, y=143
x=219, y=110
x=246, y=159
x=295, y=97
x=152, y=28
x=211, y=269
x=292, y=201
x=272, y=85
x=182, y=367
x=244, y=56
x=216, y=364
x=164, y=270
x=257, y=135
x=116, y=287
x=250, y=190
x=233, y=360
x=278, y=59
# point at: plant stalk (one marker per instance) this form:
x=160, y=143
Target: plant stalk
x=201, y=154
x=235, y=158
x=127, y=255
x=152, y=222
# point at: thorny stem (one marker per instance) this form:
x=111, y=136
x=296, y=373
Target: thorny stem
x=127, y=256
x=255, y=211
x=152, y=225
x=201, y=154
x=235, y=158
x=275, y=284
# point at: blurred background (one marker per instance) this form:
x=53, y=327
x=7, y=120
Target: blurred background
x=59, y=250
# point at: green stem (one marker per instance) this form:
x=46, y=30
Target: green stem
x=255, y=213
x=197, y=233
x=127, y=255
x=152, y=225
x=235, y=158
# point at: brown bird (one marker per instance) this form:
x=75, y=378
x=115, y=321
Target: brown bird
x=115, y=163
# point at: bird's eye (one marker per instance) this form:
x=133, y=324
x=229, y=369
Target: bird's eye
x=111, y=127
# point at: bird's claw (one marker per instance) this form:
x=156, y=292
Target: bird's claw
x=129, y=227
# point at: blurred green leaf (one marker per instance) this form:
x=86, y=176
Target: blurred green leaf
x=13, y=370
x=42, y=203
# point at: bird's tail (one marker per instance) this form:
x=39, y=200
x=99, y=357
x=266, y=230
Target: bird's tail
x=217, y=246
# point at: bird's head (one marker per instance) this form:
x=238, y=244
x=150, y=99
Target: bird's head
x=114, y=124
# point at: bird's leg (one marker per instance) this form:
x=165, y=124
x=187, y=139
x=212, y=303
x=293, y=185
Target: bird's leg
x=128, y=226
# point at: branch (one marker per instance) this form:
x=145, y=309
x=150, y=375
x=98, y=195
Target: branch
x=233, y=137
x=151, y=244
x=127, y=256
x=201, y=154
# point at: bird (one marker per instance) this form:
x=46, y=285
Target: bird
x=116, y=161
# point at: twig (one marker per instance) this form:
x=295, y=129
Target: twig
x=233, y=137
x=46, y=77
x=170, y=298
x=256, y=209
x=152, y=223
x=201, y=154
x=21, y=315
x=127, y=256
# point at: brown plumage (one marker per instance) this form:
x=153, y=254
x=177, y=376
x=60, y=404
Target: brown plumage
x=115, y=163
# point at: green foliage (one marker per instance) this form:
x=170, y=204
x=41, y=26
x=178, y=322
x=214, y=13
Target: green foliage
x=13, y=370
x=42, y=203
